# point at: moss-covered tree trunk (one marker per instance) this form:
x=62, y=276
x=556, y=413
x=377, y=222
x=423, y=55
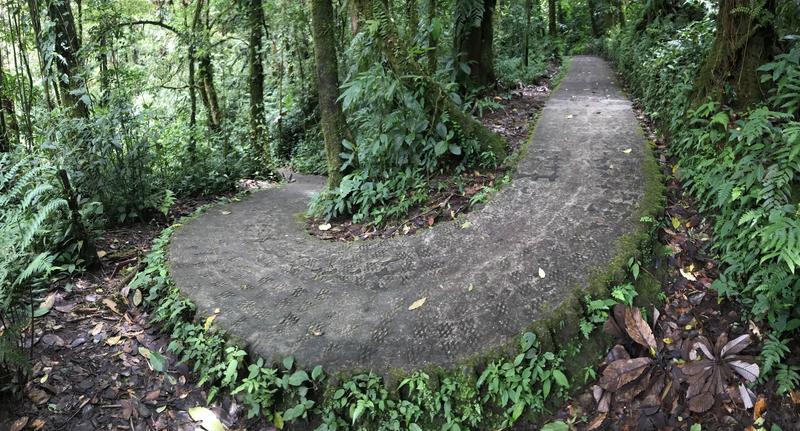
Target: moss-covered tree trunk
x=744, y=41
x=526, y=35
x=67, y=45
x=334, y=123
x=255, y=20
x=432, y=48
x=551, y=17
x=473, y=44
x=407, y=68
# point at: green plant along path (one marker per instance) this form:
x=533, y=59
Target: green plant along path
x=359, y=306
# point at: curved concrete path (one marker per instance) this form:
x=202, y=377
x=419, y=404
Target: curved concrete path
x=346, y=305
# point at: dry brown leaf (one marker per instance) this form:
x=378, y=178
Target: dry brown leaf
x=37, y=395
x=687, y=274
x=38, y=424
x=597, y=422
x=113, y=341
x=638, y=329
x=97, y=328
x=111, y=305
x=702, y=402
x=19, y=424
x=621, y=372
x=418, y=303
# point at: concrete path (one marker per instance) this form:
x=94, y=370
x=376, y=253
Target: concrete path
x=346, y=305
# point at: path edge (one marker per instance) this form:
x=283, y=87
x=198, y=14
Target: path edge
x=557, y=333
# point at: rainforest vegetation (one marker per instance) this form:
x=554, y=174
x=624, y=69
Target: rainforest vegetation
x=113, y=111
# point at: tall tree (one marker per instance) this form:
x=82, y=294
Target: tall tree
x=432, y=48
x=412, y=14
x=551, y=15
x=526, y=34
x=473, y=42
x=742, y=43
x=255, y=19
x=592, y=10
x=407, y=68
x=334, y=123
x=67, y=45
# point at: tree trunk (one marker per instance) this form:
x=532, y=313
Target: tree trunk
x=33, y=10
x=9, y=128
x=551, y=15
x=67, y=46
x=590, y=5
x=621, y=12
x=473, y=45
x=334, y=123
x=413, y=18
x=208, y=89
x=255, y=21
x=192, y=78
x=432, y=48
x=411, y=72
x=742, y=44
x=525, y=36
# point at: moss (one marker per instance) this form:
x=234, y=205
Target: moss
x=558, y=331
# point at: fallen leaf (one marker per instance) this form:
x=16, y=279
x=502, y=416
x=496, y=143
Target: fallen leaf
x=101, y=253
x=687, y=274
x=38, y=424
x=111, y=305
x=137, y=297
x=619, y=373
x=113, y=341
x=627, y=151
x=152, y=395
x=207, y=418
x=466, y=224
x=37, y=395
x=418, y=303
x=676, y=222
x=795, y=396
x=209, y=321
x=45, y=306
x=638, y=329
x=541, y=273
x=570, y=116
x=97, y=328
x=324, y=227
x=19, y=424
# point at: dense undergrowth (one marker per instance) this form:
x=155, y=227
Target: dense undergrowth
x=494, y=393
x=741, y=166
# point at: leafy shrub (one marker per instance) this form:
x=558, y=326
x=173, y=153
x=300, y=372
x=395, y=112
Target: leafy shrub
x=742, y=166
x=400, y=142
x=36, y=240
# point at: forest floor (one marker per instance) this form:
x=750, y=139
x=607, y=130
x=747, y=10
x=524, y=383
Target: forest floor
x=94, y=366
x=448, y=196
x=689, y=307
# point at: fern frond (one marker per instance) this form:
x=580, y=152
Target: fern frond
x=35, y=225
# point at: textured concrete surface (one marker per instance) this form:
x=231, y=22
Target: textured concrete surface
x=346, y=305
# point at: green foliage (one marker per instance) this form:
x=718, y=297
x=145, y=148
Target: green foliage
x=36, y=241
x=400, y=142
x=741, y=166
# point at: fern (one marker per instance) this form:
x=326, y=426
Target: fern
x=787, y=377
x=772, y=353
